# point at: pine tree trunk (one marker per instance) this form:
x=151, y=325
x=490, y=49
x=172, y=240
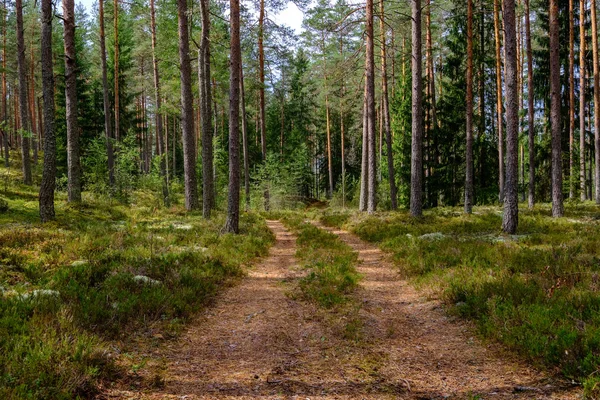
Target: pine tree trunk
x=571, y=101
x=370, y=83
x=233, y=204
x=364, y=170
x=582, y=72
x=25, y=142
x=557, y=200
x=510, y=218
x=596, y=100
x=73, y=162
x=261, y=93
x=187, y=110
x=416, y=165
x=107, y=123
x=530, y=108
x=158, y=113
x=245, y=139
x=116, y=70
x=328, y=131
x=5, y=118
x=32, y=112
x=469, y=116
x=499, y=101
x=386, y=109
x=208, y=200
x=48, y=183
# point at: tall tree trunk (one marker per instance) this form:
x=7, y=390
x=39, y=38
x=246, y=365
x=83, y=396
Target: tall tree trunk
x=557, y=198
x=386, y=109
x=342, y=144
x=499, y=100
x=530, y=109
x=596, y=100
x=328, y=131
x=25, y=142
x=5, y=130
x=416, y=164
x=187, y=110
x=510, y=219
x=233, y=204
x=245, y=139
x=32, y=112
x=73, y=163
x=469, y=117
x=107, y=123
x=582, y=72
x=48, y=184
x=364, y=170
x=370, y=83
x=261, y=92
x=208, y=190
x=158, y=113
x=116, y=73
x=571, y=101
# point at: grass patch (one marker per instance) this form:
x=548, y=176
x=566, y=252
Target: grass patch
x=331, y=264
x=538, y=292
x=99, y=275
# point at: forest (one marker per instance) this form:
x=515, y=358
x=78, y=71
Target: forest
x=393, y=199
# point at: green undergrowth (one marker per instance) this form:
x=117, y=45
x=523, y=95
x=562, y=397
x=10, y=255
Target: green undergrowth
x=538, y=292
x=72, y=290
x=331, y=264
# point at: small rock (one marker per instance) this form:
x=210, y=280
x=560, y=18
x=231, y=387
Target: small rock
x=78, y=263
x=146, y=279
x=40, y=293
x=433, y=236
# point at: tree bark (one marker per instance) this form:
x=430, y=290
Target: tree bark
x=364, y=170
x=530, y=108
x=469, y=113
x=328, y=131
x=208, y=200
x=386, y=109
x=25, y=142
x=557, y=199
x=571, y=101
x=416, y=165
x=596, y=100
x=187, y=110
x=582, y=73
x=116, y=73
x=73, y=162
x=32, y=112
x=261, y=93
x=510, y=218
x=233, y=204
x=4, y=91
x=370, y=83
x=499, y=101
x=158, y=103
x=107, y=123
x=245, y=139
x=48, y=184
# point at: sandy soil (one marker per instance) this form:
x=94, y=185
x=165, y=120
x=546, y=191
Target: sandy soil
x=259, y=341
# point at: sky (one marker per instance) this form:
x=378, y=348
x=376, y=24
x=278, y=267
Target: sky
x=291, y=16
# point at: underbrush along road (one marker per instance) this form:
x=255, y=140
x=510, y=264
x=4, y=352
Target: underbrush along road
x=262, y=340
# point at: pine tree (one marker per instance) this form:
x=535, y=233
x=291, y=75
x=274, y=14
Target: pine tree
x=416, y=170
x=233, y=204
x=73, y=162
x=187, y=110
x=48, y=184
x=510, y=218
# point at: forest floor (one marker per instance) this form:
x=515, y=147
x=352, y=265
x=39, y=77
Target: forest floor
x=258, y=340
